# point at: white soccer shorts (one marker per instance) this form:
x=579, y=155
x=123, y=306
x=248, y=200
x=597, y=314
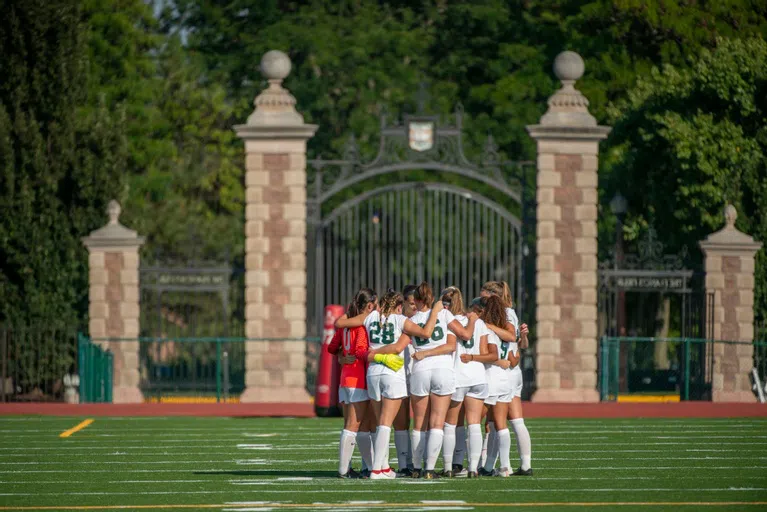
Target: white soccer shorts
x=494, y=399
x=478, y=391
x=352, y=395
x=440, y=381
x=386, y=386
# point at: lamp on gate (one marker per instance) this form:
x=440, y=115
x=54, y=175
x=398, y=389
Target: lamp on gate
x=619, y=207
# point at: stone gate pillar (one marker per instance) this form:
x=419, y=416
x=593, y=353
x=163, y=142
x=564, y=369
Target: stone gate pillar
x=566, y=266
x=730, y=276
x=275, y=138
x=113, y=262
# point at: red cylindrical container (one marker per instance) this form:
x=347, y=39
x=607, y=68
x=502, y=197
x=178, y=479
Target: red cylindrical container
x=328, y=369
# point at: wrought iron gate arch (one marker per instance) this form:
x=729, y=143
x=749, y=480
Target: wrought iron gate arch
x=467, y=172
x=419, y=142
x=427, y=185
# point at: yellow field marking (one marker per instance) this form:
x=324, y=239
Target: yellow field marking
x=76, y=428
x=648, y=398
x=341, y=506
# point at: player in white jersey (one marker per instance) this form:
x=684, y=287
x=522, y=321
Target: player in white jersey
x=471, y=388
x=402, y=421
x=515, y=414
x=386, y=387
x=499, y=382
x=432, y=381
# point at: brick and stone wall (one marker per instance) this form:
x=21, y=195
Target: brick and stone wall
x=730, y=277
x=566, y=267
x=275, y=249
x=114, y=300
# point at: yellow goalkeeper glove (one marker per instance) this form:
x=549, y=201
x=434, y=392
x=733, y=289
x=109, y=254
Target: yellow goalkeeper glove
x=392, y=361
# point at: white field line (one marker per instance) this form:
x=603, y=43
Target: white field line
x=236, y=452
x=324, y=481
x=228, y=470
x=261, y=461
x=367, y=490
x=213, y=432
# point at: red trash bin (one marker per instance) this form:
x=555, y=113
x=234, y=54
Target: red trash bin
x=328, y=369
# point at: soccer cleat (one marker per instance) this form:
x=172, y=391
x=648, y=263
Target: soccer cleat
x=473, y=474
x=351, y=475
x=404, y=473
x=503, y=473
x=416, y=473
x=484, y=472
x=461, y=473
x=523, y=472
x=457, y=468
x=364, y=474
x=430, y=475
x=389, y=473
x=447, y=474
x=382, y=474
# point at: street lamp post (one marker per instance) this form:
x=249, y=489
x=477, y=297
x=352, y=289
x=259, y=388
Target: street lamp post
x=619, y=207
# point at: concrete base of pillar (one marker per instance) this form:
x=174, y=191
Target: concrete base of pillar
x=566, y=395
x=272, y=395
x=127, y=395
x=733, y=396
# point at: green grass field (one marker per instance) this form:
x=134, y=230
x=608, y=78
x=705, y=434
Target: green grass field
x=283, y=464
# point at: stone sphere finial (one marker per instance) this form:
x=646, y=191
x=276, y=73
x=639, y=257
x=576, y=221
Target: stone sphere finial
x=569, y=66
x=114, y=210
x=730, y=215
x=275, y=65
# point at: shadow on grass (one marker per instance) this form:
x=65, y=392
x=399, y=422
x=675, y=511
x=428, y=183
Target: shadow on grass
x=271, y=472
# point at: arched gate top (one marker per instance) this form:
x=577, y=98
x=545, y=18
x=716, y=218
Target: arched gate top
x=459, y=191
x=417, y=142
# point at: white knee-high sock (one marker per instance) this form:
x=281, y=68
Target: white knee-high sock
x=434, y=445
x=402, y=445
x=475, y=446
x=460, y=445
x=365, y=444
x=492, y=448
x=483, y=455
x=381, y=450
x=504, y=447
x=448, y=446
x=418, y=443
x=524, y=446
x=346, y=450
x=426, y=444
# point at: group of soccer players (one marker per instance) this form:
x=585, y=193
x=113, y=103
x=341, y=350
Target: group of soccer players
x=451, y=362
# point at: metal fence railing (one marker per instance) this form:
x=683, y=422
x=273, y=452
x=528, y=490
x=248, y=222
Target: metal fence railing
x=689, y=373
x=95, y=371
x=180, y=369
x=37, y=364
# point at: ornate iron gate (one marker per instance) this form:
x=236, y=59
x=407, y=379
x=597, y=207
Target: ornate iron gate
x=420, y=210
x=631, y=291
x=185, y=308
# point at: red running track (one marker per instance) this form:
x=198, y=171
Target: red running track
x=532, y=410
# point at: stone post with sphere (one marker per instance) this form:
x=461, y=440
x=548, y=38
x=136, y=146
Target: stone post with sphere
x=566, y=267
x=275, y=138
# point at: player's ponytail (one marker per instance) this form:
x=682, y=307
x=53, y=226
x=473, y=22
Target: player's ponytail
x=390, y=302
x=424, y=294
x=360, y=301
x=494, y=312
x=452, y=299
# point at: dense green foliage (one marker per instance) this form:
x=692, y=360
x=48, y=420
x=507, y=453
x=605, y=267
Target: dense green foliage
x=142, y=98
x=688, y=141
x=61, y=162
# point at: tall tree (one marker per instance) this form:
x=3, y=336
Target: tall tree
x=61, y=163
x=688, y=141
